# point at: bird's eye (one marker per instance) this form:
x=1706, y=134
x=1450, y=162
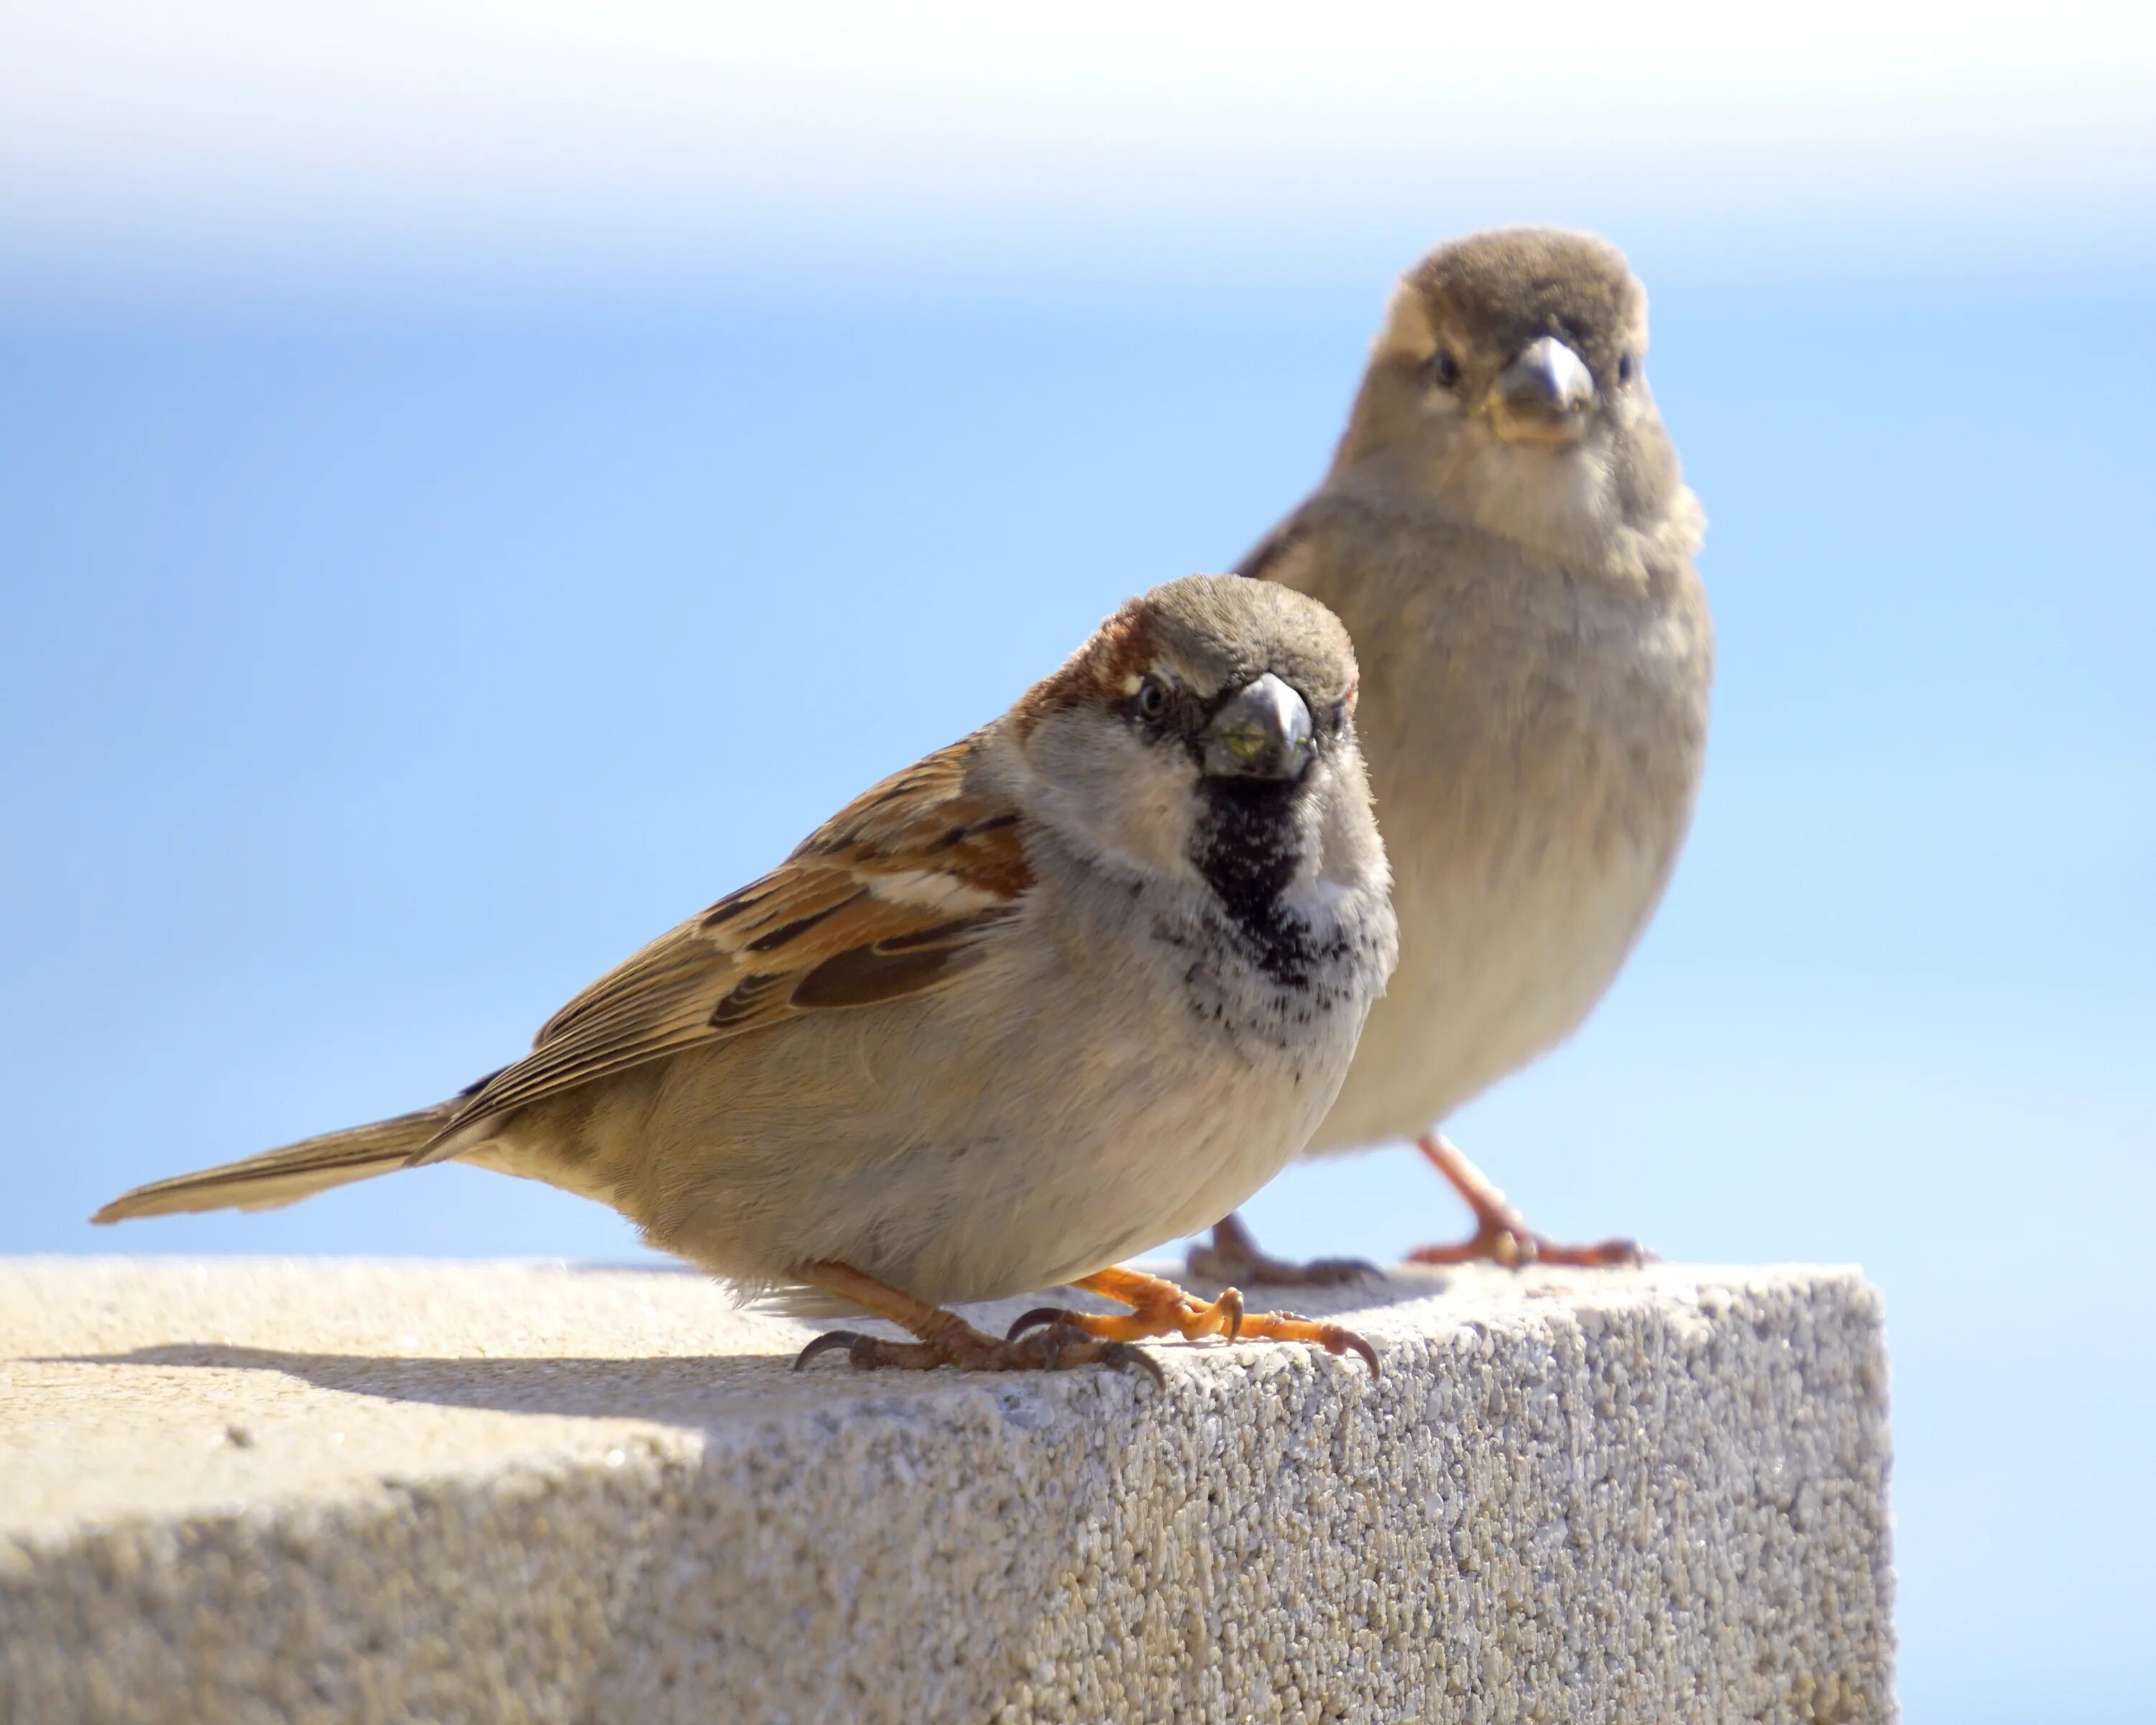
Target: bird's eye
x=1153, y=698
x=1625, y=368
x=1445, y=368
x=1339, y=714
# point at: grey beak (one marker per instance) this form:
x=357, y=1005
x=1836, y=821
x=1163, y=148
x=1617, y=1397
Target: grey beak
x=1263, y=730
x=1544, y=393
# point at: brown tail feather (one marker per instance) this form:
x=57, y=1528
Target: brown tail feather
x=285, y=1176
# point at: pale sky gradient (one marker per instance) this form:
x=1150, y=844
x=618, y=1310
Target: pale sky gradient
x=210, y=142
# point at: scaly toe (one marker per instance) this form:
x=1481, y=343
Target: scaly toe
x=865, y=1353
x=1331, y=1272
x=1293, y=1326
x=1061, y=1347
x=1514, y=1249
x=1210, y=1265
x=1517, y=1248
x=1628, y=1253
x=869, y=1353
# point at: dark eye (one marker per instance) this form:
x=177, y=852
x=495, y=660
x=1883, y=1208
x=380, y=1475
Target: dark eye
x=1153, y=698
x=1339, y=714
x=1445, y=368
x=1624, y=368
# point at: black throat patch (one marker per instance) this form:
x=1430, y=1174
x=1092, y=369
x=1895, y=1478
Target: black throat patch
x=1246, y=849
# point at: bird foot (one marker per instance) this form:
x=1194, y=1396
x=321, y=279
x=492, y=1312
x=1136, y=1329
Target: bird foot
x=1160, y=1308
x=1209, y=1264
x=1234, y=1258
x=1058, y=1349
x=943, y=1338
x=1515, y=1246
x=1502, y=1234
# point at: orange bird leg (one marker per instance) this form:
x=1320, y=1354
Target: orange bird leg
x=947, y=1339
x=1160, y=1308
x=1502, y=1234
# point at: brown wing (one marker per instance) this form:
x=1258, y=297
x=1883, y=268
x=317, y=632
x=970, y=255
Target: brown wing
x=889, y=897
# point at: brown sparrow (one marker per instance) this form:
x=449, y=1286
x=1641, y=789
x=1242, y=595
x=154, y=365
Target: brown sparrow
x=1505, y=533
x=1069, y=987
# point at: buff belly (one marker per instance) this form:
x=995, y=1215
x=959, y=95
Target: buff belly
x=1499, y=962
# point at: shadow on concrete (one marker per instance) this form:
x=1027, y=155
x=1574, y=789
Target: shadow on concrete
x=679, y=1389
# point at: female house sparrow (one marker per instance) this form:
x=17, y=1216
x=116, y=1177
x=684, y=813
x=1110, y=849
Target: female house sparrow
x=1067, y=989
x=1505, y=533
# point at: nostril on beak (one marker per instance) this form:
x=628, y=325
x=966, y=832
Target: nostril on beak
x=1263, y=730
x=1543, y=395
x=1549, y=373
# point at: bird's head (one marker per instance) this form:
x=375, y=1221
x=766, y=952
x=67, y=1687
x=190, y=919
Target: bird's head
x=1206, y=733
x=1508, y=384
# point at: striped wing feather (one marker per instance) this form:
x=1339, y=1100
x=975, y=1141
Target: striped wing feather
x=890, y=897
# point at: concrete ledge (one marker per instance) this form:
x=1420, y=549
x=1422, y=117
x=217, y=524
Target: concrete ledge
x=252, y=1491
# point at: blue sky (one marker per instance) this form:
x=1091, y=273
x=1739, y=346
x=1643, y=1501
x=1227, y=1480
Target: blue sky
x=471, y=495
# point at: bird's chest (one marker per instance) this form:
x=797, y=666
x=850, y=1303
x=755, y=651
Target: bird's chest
x=1227, y=1056
x=1533, y=782
x=1249, y=1002
x=1551, y=724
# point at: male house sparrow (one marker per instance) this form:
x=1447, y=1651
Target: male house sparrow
x=1065, y=990
x=1505, y=533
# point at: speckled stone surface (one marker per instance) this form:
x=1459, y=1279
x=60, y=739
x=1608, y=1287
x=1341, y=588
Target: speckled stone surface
x=248, y=1491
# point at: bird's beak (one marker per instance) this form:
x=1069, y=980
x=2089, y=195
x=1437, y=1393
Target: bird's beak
x=1543, y=397
x=1263, y=730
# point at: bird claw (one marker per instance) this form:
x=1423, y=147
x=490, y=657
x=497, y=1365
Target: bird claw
x=1058, y=1349
x=1039, y=1315
x=1333, y=1338
x=1125, y=1357
x=828, y=1340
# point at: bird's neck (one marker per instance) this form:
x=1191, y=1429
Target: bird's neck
x=1567, y=513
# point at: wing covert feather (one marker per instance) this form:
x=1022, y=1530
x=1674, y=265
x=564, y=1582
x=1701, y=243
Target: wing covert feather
x=890, y=897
